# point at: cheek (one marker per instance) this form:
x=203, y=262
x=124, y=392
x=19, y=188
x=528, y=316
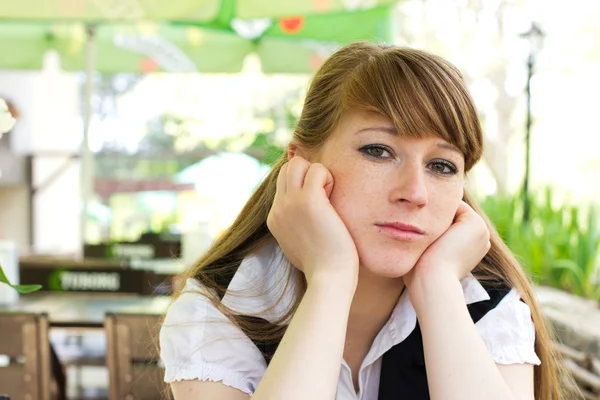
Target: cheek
x=345, y=197
x=355, y=182
x=443, y=209
x=354, y=194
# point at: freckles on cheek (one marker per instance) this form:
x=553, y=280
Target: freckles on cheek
x=339, y=192
x=355, y=188
x=347, y=197
x=445, y=216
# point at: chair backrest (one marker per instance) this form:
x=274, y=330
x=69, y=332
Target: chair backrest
x=133, y=357
x=25, y=349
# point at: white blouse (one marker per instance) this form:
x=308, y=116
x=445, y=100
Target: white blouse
x=198, y=342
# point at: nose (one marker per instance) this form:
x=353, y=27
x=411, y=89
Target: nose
x=410, y=186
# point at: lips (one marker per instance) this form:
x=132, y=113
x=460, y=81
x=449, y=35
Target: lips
x=403, y=227
x=401, y=231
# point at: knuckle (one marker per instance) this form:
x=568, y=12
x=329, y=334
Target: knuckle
x=318, y=170
x=298, y=162
x=273, y=217
x=485, y=235
x=283, y=168
x=318, y=167
x=270, y=223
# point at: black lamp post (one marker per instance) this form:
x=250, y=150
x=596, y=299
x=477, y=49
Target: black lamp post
x=535, y=36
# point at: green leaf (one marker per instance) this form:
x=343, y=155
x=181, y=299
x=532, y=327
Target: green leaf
x=572, y=274
x=23, y=289
x=560, y=246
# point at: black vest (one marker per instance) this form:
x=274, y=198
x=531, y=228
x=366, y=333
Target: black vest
x=403, y=366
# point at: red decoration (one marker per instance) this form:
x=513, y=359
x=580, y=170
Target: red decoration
x=291, y=25
x=147, y=66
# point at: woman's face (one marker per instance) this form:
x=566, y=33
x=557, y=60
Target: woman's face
x=396, y=195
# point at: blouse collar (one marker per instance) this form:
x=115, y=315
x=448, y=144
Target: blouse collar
x=262, y=287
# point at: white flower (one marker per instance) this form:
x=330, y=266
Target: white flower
x=6, y=119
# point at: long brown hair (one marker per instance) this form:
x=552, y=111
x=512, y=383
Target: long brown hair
x=421, y=94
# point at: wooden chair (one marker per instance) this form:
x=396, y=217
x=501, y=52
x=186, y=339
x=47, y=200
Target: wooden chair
x=26, y=346
x=133, y=357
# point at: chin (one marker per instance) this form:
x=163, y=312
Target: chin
x=392, y=264
x=387, y=258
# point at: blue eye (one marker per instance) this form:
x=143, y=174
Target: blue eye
x=376, y=151
x=443, y=167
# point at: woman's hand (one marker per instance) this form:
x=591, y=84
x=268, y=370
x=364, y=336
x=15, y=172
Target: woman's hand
x=307, y=227
x=454, y=254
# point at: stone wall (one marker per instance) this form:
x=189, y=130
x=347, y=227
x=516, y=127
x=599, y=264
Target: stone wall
x=577, y=324
x=576, y=320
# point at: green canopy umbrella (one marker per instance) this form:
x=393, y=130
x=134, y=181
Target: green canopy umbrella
x=287, y=44
x=202, y=11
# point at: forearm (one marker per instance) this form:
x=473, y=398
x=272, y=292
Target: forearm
x=459, y=366
x=307, y=362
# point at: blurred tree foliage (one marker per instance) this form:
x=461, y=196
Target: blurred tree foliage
x=172, y=142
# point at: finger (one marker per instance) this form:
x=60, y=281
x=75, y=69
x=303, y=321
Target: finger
x=462, y=211
x=282, y=180
x=319, y=178
x=463, y=207
x=296, y=173
x=329, y=183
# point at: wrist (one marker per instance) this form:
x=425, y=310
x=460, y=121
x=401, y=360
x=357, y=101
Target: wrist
x=329, y=297
x=432, y=290
x=337, y=283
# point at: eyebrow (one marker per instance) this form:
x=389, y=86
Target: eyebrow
x=385, y=129
x=448, y=146
x=390, y=130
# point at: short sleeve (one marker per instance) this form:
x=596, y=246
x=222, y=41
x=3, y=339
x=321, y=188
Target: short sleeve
x=509, y=333
x=198, y=342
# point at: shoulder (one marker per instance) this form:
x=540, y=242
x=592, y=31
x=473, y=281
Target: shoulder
x=197, y=341
x=508, y=330
x=190, y=304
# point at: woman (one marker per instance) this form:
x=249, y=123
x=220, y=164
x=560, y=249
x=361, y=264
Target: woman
x=362, y=229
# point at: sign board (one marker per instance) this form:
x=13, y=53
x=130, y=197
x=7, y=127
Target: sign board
x=133, y=250
x=81, y=279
